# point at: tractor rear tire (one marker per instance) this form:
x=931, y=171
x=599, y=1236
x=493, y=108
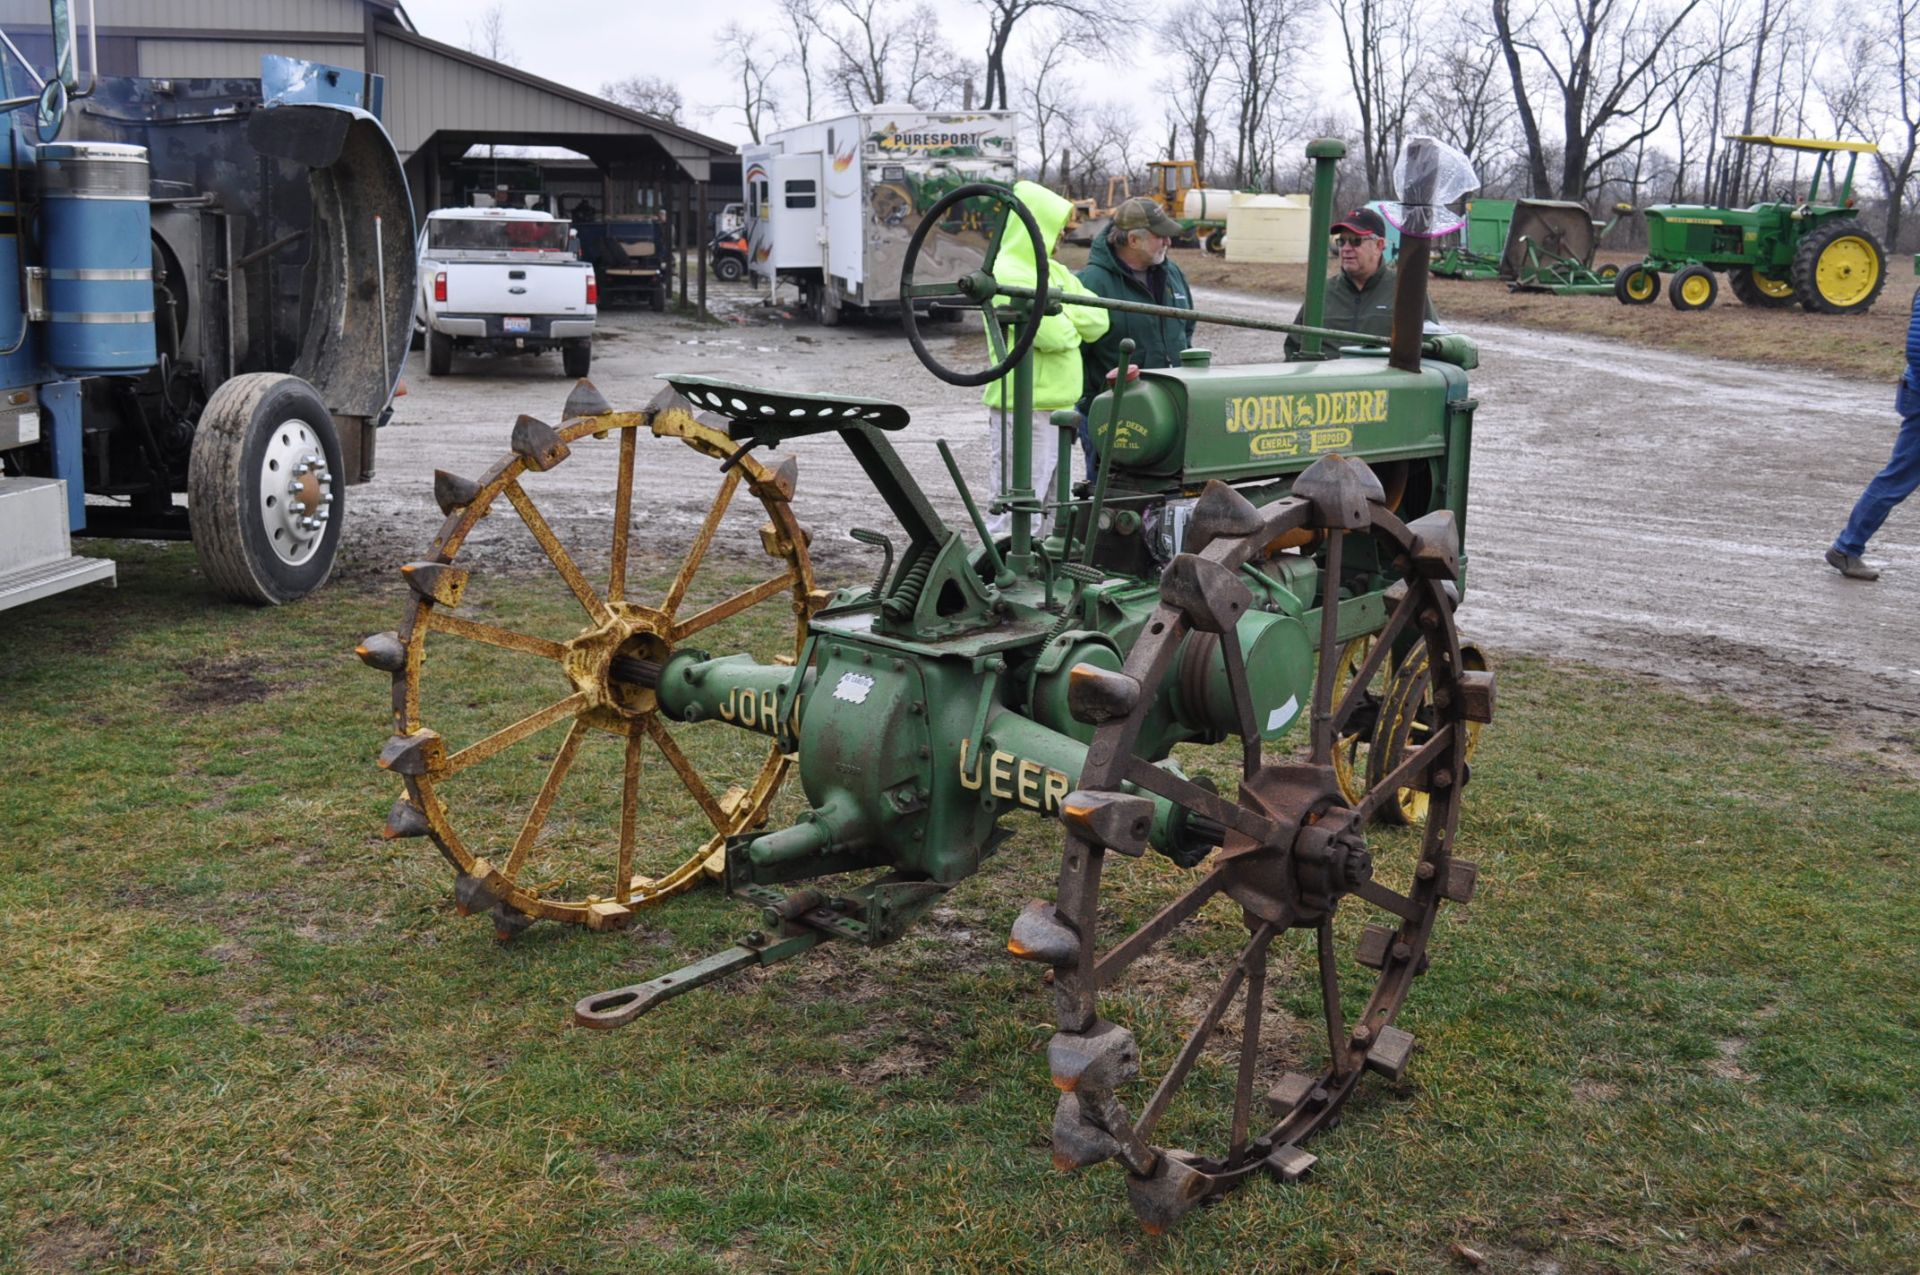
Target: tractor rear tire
x=265, y=465
x=1760, y=290
x=1637, y=285
x=1839, y=268
x=576, y=356
x=439, y=353
x=1693, y=288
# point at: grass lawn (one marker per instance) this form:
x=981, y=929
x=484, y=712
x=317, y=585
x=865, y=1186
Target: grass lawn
x=1677, y=1030
x=1871, y=345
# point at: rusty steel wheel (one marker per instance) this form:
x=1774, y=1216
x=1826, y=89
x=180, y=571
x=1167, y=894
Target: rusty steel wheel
x=590, y=849
x=1288, y=1050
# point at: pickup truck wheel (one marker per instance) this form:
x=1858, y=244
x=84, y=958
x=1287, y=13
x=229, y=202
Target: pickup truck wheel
x=576, y=356
x=265, y=489
x=439, y=353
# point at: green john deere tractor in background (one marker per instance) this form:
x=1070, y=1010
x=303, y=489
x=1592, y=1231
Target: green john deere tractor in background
x=1774, y=254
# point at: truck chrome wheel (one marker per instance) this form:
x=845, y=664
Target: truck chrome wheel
x=1278, y=929
x=541, y=823
x=296, y=491
x=265, y=488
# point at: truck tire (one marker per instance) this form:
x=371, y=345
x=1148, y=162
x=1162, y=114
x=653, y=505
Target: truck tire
x=1839, y=268
x=657, y=299
x=576, y=356
x=439, y=353
x=260, y=435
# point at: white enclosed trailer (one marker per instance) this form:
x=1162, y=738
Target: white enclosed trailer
x=832, y=203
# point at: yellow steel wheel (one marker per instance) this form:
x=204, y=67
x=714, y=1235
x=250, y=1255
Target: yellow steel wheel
x=1405, y=722
x=1693, y=288
x=1758, y=289
x=1636, y=285
x=1351, y=748
x=523, y=722
x=1839, y=268
x=1847, y=271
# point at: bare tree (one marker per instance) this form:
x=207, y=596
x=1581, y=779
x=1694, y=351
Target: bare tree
x=1875, y=96
x=1091, y=24
x=1196, y=44
x=1048, y=100
x=862, y=48
x=1462, y=98
x=752, y=68
x=487, y=36
x=1602, y=60
x=648, y=94
x=1267, y=40
x=1383, y=48
x=803, y=27
x=928, y=73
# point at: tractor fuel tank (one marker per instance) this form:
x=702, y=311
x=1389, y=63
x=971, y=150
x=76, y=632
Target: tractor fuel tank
x=1254, y=420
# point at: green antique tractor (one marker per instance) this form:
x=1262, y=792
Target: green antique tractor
x=1814, y=252
x=1230, y=673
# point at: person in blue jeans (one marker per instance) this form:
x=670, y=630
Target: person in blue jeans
x=1894, y=483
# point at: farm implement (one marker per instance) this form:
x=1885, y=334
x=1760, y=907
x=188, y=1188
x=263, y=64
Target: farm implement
x=1812, y=251
x=1230, y=672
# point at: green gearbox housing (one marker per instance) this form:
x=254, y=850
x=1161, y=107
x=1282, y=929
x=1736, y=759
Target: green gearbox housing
x=935, y=704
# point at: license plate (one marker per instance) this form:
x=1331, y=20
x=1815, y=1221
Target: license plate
x=516, y=325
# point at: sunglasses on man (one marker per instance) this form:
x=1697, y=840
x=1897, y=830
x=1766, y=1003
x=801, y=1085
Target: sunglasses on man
x=1351, y=241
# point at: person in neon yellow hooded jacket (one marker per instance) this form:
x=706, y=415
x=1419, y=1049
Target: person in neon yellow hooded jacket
x=1057, y=375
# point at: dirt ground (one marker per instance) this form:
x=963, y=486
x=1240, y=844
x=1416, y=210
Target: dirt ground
x=1654, y=512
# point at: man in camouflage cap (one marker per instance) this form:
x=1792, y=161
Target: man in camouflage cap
x=1129, y=263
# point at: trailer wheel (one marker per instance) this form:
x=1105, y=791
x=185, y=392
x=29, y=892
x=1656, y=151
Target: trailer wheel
x=1636, y=285
x=1694, y=288
x=265, y=489
x=439, y=353
x=576, y=356
x=826, y=306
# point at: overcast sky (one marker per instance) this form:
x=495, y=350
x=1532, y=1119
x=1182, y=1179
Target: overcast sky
x=586, y=43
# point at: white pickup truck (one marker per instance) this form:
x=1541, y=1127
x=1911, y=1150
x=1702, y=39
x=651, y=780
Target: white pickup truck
x=506, y=280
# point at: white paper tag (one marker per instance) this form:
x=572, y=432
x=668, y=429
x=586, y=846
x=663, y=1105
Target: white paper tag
x=1282, y=715
x=853, y=688
x=29, y=427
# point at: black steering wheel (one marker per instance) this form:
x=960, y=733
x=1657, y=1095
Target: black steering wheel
x=980, y=288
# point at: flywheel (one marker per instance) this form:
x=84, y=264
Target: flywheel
x=525, y=728
x=1214, y=1018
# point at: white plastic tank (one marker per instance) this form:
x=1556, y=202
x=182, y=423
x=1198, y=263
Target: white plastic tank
x=1205, y=204
x=1268, y=228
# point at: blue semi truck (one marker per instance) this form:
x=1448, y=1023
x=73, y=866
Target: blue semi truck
x=205, y=302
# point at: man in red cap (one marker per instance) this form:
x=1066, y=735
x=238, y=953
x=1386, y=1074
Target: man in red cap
x=1360, y=296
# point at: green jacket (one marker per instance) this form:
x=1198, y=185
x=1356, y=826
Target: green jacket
x=1367, y=309
x=1157, y=342
x=1056, y=347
